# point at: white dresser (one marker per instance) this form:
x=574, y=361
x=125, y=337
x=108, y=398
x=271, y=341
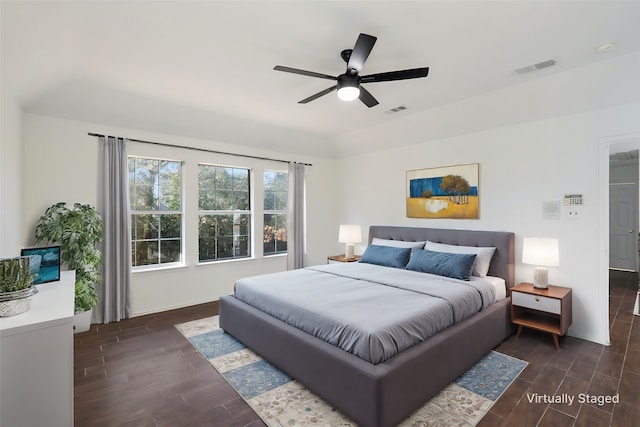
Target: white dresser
x=36, y=359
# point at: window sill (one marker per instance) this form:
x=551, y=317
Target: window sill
x=159, y=269
x=224, y=261
x=275, y=256
x=232, y=261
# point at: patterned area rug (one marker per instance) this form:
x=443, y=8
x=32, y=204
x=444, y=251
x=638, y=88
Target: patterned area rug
x=281, y=401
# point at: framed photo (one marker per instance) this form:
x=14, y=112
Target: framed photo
x=44, y=263
x=444, y=192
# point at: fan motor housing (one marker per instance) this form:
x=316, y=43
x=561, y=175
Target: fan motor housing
x=345, y=80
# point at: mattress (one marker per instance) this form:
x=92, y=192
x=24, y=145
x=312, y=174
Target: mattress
x=371, y=311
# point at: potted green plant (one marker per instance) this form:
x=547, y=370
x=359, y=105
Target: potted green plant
x=15, y=286
x=78, y=231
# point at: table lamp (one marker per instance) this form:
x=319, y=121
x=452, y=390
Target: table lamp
x=349, y=234
x=542, y=252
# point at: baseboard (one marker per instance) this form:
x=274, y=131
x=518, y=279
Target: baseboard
x=173, y=307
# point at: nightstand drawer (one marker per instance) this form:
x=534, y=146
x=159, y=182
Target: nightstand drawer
x=536, y=302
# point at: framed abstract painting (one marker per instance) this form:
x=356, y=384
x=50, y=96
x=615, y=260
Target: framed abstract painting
x=443, y=192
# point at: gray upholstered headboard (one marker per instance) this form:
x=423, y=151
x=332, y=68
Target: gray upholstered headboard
x=502, y=263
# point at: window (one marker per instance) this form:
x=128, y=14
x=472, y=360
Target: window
x=224, y=213
x=155, y=197
x=276, y=195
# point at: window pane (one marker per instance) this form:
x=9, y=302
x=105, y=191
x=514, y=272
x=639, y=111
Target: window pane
x=281, y=181
x=224, y=178
x=243, y=229
x=146, y=184
x=281, y=233
x=269, y=201
x=224, y=200
x=241, y=200
x=170, y=183
x=269, y=177
x=242, y=246
x=206, y=187
x=146, y=197
x=269, y=239
x=170, y=250
x=241, y=179
x=146, y=253
x=280, y=200
x=207, y=249
x=146, y=171
x=207, y=226
x=224, y=225
x=225, y=247
x=170, y=226
x=269, y=247
x=145, y=226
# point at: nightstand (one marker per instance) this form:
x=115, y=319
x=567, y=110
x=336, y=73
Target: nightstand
x=341, y=258
x=547, y=310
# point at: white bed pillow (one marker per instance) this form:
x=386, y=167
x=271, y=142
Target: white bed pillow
x=397, y=243
x=483, y=255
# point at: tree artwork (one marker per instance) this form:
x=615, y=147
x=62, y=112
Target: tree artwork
x=456, y=187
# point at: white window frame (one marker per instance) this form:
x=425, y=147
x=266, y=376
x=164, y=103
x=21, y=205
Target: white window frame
x=134, y=212
x=250, y=213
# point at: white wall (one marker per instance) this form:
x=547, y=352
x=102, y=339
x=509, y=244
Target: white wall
x=520, y=167
x=10, y=176
x=62, y=166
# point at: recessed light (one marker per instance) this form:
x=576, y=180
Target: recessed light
x=606, y=47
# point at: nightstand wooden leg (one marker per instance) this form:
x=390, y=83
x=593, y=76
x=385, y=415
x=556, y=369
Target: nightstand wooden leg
x=555, y=340
x=519, y=330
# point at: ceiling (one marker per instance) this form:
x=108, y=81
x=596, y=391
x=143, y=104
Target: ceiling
x=204, y=69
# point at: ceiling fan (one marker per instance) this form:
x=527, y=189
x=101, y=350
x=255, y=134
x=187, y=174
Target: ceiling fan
x=349, y=84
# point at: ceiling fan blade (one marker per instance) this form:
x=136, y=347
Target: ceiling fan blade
x=367, y=98
x=304, y=72
x=413, y=73
x=318, y=95
x=361, y=52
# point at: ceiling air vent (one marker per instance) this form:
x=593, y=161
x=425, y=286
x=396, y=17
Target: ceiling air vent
x=536, y=67
x=396, y=110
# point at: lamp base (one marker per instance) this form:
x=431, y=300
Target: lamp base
x=540, y=278
x=349, y=251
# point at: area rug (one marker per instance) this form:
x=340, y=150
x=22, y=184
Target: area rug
x=281, y=401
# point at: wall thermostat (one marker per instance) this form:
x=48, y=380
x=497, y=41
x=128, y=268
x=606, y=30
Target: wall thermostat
x=573, y=200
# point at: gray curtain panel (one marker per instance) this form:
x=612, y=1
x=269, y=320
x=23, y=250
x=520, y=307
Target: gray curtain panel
x=113, y=204
x=295, y=217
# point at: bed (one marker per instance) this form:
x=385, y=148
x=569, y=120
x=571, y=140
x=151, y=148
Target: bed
x=384, y=393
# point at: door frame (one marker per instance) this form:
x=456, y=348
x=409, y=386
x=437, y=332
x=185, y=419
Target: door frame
x=604, y=149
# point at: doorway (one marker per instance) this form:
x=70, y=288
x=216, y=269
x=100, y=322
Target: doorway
x=623, y=210
x=622, y=187
x=608, y=146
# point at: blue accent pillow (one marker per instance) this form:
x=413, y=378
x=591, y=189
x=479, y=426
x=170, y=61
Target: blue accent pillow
x=386, y=256
x=456, y=266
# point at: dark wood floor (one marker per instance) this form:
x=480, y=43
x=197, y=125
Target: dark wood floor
x=142, y=372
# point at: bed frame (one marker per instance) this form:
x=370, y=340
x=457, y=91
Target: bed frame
x=385, y=394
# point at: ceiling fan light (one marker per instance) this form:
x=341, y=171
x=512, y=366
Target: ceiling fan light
x=348, y=93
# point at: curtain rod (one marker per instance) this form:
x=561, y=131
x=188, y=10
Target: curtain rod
x=164, y=144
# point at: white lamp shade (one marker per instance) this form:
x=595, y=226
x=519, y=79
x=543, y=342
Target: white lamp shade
x=350, y=234
x=541, y=251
